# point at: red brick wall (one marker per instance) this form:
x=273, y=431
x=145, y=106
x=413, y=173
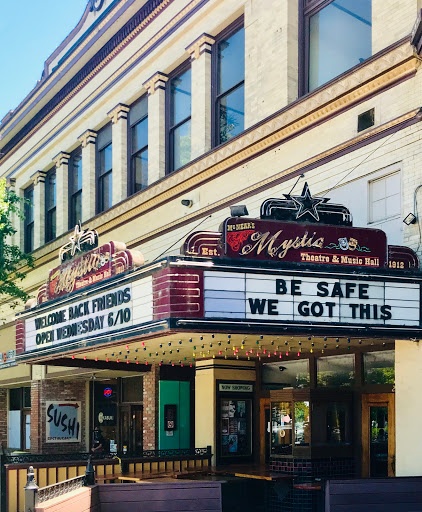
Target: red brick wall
x=150, y=412
x=3, y=417
x=43, y=391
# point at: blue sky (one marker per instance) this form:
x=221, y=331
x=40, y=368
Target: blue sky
x=30, y=30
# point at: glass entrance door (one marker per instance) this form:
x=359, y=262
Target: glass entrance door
x=131, y=428
x=378, y=441
x=378, y=436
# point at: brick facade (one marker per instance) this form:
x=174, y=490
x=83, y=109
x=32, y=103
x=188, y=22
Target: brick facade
x=150, y=397
x=3, y=417
x=46, y=390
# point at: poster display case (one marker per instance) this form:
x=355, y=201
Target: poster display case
x=235, y=421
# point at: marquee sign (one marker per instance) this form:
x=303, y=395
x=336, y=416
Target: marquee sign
x=107, y=312
x=302, y=243
x=295, y=299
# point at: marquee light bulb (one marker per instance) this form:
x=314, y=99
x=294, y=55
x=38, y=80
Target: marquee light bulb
x=287, y=353
x=107, y=359
x=73, y=357
x=117, y=360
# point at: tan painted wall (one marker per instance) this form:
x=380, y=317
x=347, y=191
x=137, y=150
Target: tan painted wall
x=206, y=399
x=408, y=408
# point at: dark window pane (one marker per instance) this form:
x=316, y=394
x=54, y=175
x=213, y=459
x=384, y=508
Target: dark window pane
x=104, y=137
x=29, y=205
x=27, y=397
x=181, y=145
x=105, y=191
x=76, y=208
x=140, y=135
x=231, y=61
x=180, y=97
x=76, y=172
x=29, y=238
x=106, y=159
x=336, y=371
x=138, y=110
x=339, y=38
x=140, y=166
x=132, y=389
x=51, y=190
x=51, y=225
x=232, y=114
x=15, y=399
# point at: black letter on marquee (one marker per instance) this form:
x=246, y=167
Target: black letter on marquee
x=257, y=306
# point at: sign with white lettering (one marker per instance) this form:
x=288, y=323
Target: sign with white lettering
x=236, y=388
x=63, y=422
x=115, y=309
x=294, y=298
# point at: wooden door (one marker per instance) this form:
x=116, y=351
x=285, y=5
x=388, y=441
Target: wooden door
x=378, y=435
x=264, y=433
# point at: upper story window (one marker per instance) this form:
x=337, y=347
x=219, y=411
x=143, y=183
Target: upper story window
x=29, y=219
x=138, y=137
x=180, y=119
x=50, y=205
x=384, y=198
x=104, y=170
x=230, y=86
x=338, y=36
x=75, y=188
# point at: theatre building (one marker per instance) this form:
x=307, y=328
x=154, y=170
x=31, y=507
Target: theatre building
x=224, y=214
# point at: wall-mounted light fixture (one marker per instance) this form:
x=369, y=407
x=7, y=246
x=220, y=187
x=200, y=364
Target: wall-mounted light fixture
x=409, y=219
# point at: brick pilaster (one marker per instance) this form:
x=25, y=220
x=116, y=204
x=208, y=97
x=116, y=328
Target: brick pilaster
x=200, y=52
x=150, y=398
x=43, y=391
x=88, y=139
x=118, y=117
x=156, y=86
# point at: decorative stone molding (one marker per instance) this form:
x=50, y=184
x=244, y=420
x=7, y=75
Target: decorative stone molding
x=120, y=111
x=203, y=44
x=88, y=137
x=11, y=183
x=38, y=177
x=157, y=81
x=61, y=159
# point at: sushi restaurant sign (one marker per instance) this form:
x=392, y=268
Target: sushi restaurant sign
x=63, y=422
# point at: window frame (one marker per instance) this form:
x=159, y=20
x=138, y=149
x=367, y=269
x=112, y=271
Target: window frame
x=99, y=177
x=230, y=30
x=50, y=210
x=131, y=155
x=28, y=225
x=72, y=194
x=370, y=220
x=307, y=8
x=180, y=70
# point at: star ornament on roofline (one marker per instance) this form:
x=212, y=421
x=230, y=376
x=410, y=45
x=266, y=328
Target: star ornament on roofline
x=306, y=204
x=75, y=239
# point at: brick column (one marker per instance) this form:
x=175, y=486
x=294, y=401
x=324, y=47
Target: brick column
x=87, y=140
x=151, y=408
x=119, y=121
x=200, y=52
x=3, y=417
x=39, y=208
x=156, y=87
x=62, y=192
x=43, y=391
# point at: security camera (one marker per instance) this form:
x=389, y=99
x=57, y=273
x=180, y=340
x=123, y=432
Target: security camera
x=282, y=368
x=187, y=202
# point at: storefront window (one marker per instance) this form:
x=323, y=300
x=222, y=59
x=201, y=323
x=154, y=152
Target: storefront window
x=378, y=367
x=132, y=389
x=281, y=428
x=286, y=374
x=236, y=428
x=336, y=371
x=302, y=424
